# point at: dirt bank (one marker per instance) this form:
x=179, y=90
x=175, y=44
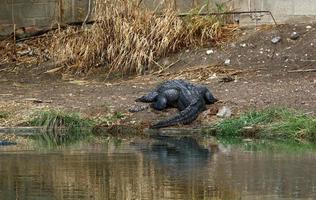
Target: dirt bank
x=264, y=74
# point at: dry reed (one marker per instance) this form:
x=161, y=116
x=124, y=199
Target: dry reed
x=128, y=39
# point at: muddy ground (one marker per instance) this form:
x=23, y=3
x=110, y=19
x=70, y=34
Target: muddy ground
x=264, y=74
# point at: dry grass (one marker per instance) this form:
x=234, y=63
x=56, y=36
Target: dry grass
x=125, y=39
x=29, y=52
x=128, y=39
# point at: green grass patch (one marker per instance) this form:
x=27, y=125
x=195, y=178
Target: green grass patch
x=268, y=145
x=64, y=128
x=61, y=127
x=273, y=123
x=4, y=114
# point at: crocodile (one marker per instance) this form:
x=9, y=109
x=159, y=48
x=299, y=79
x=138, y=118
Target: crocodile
x=189, y=99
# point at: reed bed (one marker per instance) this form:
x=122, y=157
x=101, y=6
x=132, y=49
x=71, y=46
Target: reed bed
x=128, y=39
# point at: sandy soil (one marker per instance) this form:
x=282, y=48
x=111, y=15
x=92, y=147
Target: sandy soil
x=264, y=75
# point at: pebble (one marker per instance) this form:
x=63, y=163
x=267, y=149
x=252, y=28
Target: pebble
x=276, y=40
x=224, y=112
x=208, y=52
x=295, y=35
x=227, y=61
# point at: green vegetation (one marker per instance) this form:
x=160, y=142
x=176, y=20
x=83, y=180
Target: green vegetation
x=274, y=123
x=60, y=127
x=285, y=146
x=4, y=114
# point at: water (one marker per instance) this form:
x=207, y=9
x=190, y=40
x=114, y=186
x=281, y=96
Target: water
x=154, y=170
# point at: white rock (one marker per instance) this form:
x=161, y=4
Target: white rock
x=227, y=61
x=308, y=27
x=224, y=112
x=243, y=45
x=276, y=40
x=208, y=52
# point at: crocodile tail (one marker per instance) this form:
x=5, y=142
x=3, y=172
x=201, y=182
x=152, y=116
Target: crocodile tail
x=185, y=116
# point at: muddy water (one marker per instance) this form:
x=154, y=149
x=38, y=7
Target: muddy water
x=155, y=171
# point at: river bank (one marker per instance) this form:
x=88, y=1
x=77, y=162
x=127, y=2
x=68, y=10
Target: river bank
x=248, y=73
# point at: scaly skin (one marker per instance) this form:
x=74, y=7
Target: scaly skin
x=188, y=98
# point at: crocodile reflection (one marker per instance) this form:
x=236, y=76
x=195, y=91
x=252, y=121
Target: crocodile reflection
x=178, y=155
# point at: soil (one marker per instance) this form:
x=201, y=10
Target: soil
x=262, y=73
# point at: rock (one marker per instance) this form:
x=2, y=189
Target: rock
x=224, y=112
x=208, y=52
x=308, y=27
x=276, y=40
x=243, y=45
x=227, y=62
x=295, y=35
